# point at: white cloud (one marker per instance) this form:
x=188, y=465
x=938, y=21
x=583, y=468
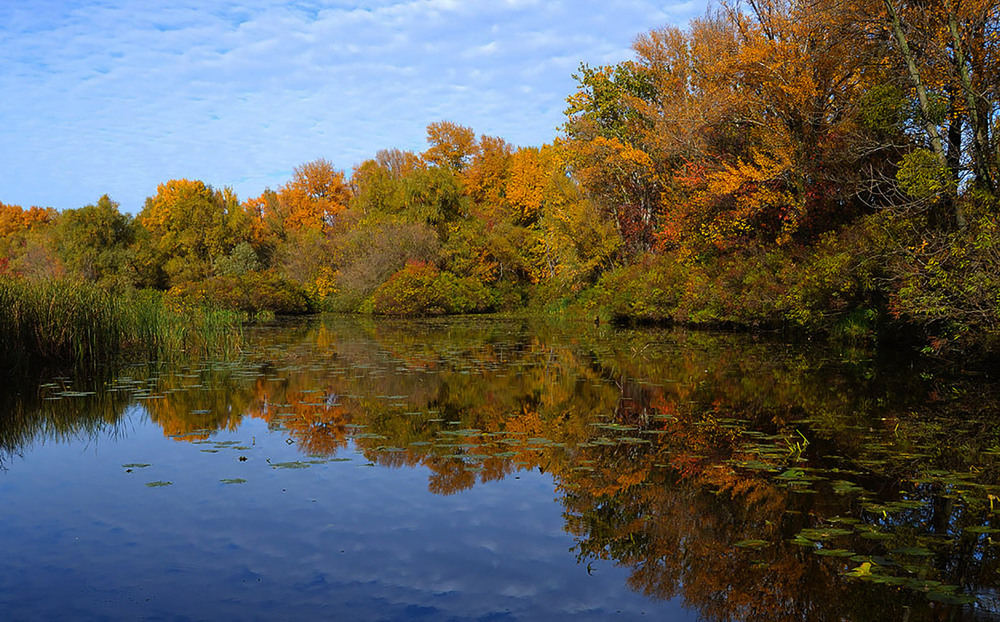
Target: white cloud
x=116, y=96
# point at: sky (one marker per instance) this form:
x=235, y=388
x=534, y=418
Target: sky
x=116, y=96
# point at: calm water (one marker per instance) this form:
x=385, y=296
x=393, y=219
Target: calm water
x=481, y=469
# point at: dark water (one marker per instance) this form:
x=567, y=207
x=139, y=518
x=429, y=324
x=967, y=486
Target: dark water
x=481, y=469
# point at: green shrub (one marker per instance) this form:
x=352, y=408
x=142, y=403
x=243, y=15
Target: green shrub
x=947, y=284
x=252, y=292
x=812, y=287
x=422, y=289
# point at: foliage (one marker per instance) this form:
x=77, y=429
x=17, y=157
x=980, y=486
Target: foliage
x=814, y=289
x=26, y=246
x=947, y=284
x=421, y=289
x=242, y=259
x=95, y=243
x=372, y=252
x=451, y=145
x=812, y=164
x=251, y=292
x=186, y=225
x=921, y=176
x=313, y=198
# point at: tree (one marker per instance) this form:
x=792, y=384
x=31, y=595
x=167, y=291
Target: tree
x=947, y=53
x=314, y=197
x=185, y=226
x=377, y=184
x=605, y=150
x=94, y=241
x=26, y=246
x=485, y=178
x=451, y=145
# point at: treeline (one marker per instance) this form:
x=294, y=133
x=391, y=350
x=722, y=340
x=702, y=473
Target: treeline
x=830, y=164
x=471, y=224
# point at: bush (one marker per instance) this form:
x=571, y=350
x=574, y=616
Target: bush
x=948, y=283
x=421, y=289
x=252, y=292
x=812, y=287
x=374, y=252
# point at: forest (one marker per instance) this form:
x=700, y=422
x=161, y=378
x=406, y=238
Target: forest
x=826, y=166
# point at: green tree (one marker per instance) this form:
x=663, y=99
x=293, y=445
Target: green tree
x=95, y=242
x=186, y=225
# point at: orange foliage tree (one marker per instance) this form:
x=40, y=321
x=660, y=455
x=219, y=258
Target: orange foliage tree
x=315, y=195
x=451, y=145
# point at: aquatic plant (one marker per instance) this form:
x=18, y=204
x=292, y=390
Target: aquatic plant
x=69, y=323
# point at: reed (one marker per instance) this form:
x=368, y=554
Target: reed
x=68, y=323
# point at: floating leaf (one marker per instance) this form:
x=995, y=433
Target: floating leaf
x=235, y=480
x=950, y=598
x=158, y=484
x=290, y=465
x=864, y=570
x=916, y=551
x=751, y=544
x=792, y=474
x=824, y=533
x=834, y=552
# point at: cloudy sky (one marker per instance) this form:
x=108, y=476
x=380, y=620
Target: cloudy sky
x=116, y=96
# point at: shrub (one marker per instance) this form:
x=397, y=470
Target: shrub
x=811, y=287
x=374, y=252
x=421, y=289
x=948, y=283
x=252, y=292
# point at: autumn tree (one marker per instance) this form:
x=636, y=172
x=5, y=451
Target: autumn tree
x=377, y=184
x=313, y=197
x=451, y=145
x=944, y=56
x=605, y=149
x=485, y=178
x=26, y=245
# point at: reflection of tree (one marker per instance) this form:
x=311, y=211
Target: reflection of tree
x=59, y=411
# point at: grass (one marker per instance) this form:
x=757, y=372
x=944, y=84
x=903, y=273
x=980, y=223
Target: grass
x=67, y=323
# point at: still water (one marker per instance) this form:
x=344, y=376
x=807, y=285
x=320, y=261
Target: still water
x=483, y=469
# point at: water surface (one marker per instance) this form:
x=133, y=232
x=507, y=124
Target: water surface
x=482, y=469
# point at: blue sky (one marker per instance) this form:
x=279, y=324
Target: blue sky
x=116, y=96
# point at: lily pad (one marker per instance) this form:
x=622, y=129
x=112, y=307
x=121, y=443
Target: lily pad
x=834, y=552
x=290, y=465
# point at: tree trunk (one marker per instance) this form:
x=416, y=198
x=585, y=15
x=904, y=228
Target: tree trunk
x=980, y=136
x=937, y=144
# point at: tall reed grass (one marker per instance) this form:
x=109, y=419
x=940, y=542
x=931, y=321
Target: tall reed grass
x=58, y=322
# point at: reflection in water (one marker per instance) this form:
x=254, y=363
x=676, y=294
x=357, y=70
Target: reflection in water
x=753, y=479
